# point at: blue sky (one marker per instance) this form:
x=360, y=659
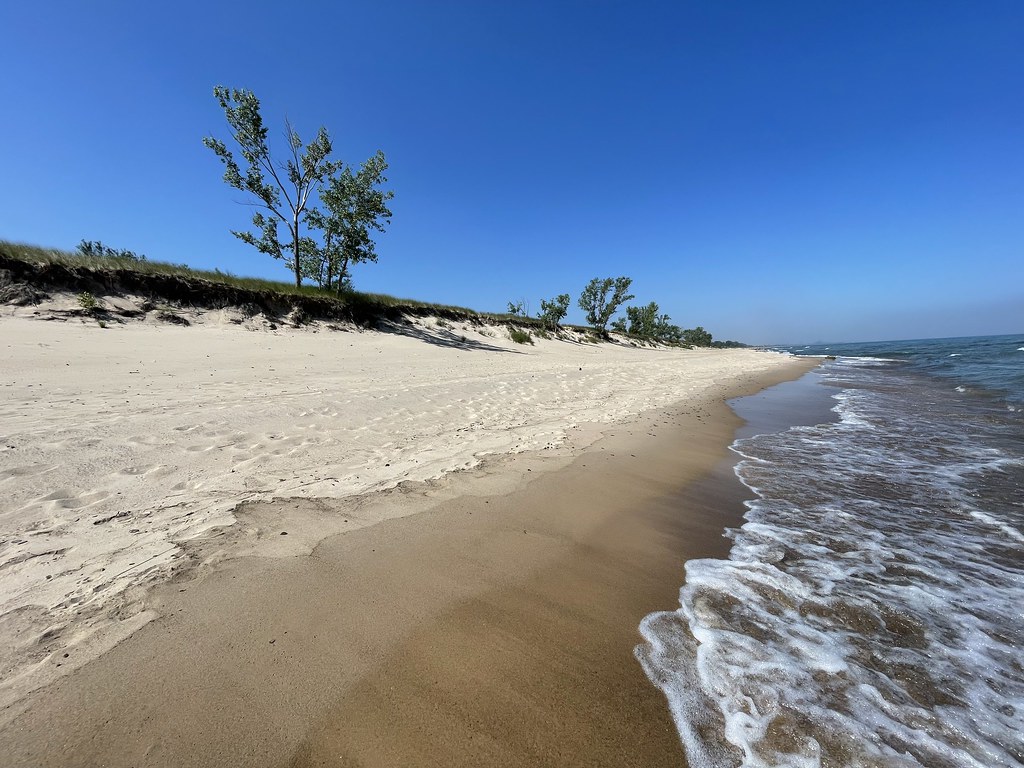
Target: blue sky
x=773, y=171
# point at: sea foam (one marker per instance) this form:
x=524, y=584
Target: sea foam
x=870, y=609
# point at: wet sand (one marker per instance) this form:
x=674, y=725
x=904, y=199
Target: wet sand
x=495, y=626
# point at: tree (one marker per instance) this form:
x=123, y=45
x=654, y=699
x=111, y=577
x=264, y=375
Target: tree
x=643, y=321
x=354, y=207
x=552, y=312
x=283, y=190
x=667, y=332
x=646, y=323
x=698, y=337
x=295, y=180
x=599, y=305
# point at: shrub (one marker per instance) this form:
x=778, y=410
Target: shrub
x=520, y=337
x=87, y=301
x=552, y=312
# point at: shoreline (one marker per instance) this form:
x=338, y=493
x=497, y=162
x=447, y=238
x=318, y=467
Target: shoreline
x=496, y=620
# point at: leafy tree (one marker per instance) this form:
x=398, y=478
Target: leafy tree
x=646, y=323
x=698, y=337
x=643, y=321
x=601, y=298
x=552, y=312
x=672, y=334
x=354, y=207
x=283, y=190
x=517, y=308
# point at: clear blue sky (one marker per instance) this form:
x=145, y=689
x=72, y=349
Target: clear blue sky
x=774, y=171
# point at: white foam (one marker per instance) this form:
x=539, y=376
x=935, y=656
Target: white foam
x=1005, y=528
x=865, y=360
x=868, y=606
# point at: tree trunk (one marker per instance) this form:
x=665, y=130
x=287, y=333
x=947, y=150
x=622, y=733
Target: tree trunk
x=329, y=260
x=341, y=273
x=295, y=251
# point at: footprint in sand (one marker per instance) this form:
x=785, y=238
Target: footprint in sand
x=67, y=499
x=142, y=469
x=28, y=470
x=76, y=443
x=147, y=440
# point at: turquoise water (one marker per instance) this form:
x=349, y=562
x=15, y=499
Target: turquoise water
x=871, y=610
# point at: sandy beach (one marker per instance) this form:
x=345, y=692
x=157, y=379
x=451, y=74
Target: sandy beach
x=425, y=547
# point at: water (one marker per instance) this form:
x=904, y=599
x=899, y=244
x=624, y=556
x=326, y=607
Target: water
x=871, y=611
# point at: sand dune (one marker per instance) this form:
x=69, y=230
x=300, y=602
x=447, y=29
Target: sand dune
x=118, y=445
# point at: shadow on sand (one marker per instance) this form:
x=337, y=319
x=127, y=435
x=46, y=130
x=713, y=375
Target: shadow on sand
x=440, y=337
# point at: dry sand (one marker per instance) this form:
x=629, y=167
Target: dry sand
x=483, y=630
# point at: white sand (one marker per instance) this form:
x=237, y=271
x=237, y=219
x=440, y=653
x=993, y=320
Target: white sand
x=117, y=444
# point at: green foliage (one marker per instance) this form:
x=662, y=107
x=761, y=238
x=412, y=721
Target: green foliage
x=520, y=336
x=602, y=298
x=731, y=345
x=517, y=308
x=87, y=301
x=646, y=323
x=552, y=312
x=668, y=333
x=287, y=192
x=643, y=321
x=696, y=337
x=302, y=174
x=96, y=249
x=354, y=207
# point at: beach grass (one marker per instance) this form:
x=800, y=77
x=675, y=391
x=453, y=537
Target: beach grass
x=114, y=265
x=112, y=269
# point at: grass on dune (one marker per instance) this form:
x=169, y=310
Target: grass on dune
x=38, y=255
x=368, y=304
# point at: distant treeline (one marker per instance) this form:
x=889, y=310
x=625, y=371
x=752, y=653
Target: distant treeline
x=602, y=298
